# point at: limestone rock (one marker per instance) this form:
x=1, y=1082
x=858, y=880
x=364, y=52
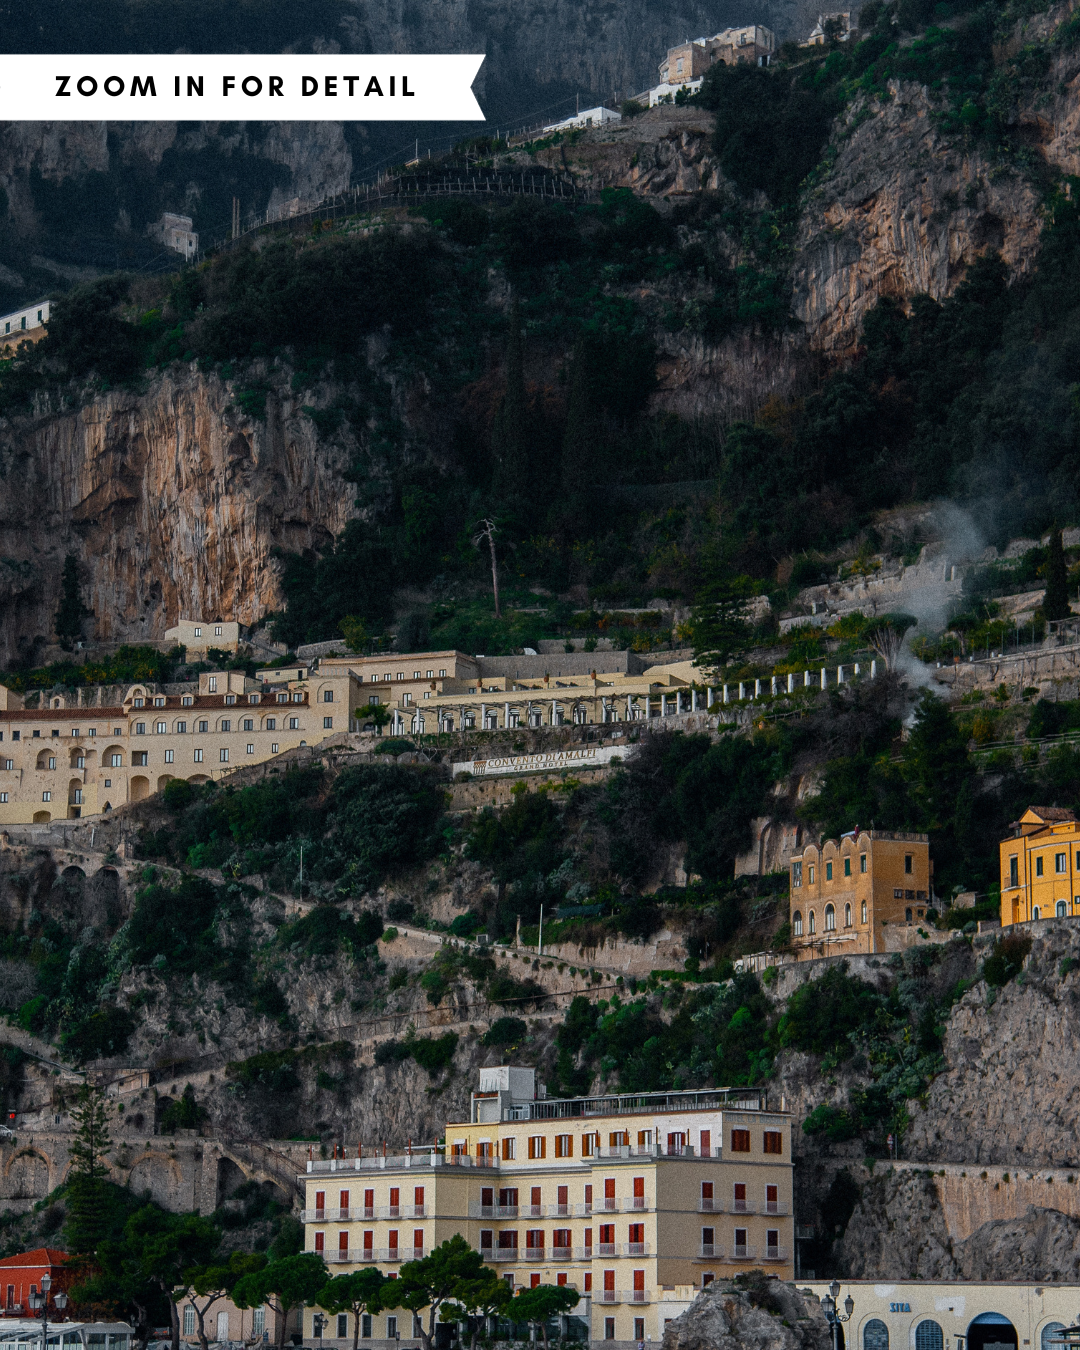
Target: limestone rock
x=726, y=1317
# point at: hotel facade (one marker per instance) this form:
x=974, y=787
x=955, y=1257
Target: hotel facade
x=636, y=1201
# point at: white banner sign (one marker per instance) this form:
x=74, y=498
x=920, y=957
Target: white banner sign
x=558, y=759
x=338, y=88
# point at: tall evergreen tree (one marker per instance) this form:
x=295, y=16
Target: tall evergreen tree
x=87, y=1221
x=510, y=433
x=1055, y=603
x=70, y=615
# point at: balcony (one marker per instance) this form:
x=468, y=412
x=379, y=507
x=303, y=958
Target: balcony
x=531, y=1211
x=314, y=1215
x=562, y=1253
x=391, y=1254
x=606, y=1249
x=743, y=1253
x=500, y=1253
x=707, y=1206
x=638, y=1296
x=710, y=1251
x=635, y=1249
x=775, y=1207
x=559, y=1211
x=607, y=1296
x=534, y=1253
x=366, y=1254
x=636, y=1202
x=390, y=1212
x=775, y=1254
x=742, y=1207
x=607, y=1203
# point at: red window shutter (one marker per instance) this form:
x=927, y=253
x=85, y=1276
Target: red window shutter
x=418, y=1197
x=369, y=1199
x=395, y=1197
x=588, y=1195
x=320, y=1199
x=564, y=1195
x=369, y=1240
x=639, y=1279
x=770, y=1195
x=560, y=1279
x=391, y=1239
x=418, y=1239
x=320, y=1242
x=706, y=1190
x=588, y=1239
x=706, y=1143
x=535, y=1196
x=609, y=1188
x=609, y=1280
x=637, y=1232
x=343, y=1242
x=588, y=1282
x=487, y=1195
x=343, y=1199
x=740, y=1191
x=639, y=1188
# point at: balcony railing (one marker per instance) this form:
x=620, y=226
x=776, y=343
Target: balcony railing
x=635, y=1249
x=638, y=1296
x=743, y=1253
x=500, y=1253
x=708, y=1205
x=390, y=1212
x=636, y=1202
x=608, y=1296
x=534, y=1253
x=605, y=1249
x=741, y=1207
x=531, y=1211
x=775, y=1254
x=606, y=1202
x=559, y=1211
x=562, y=1253
x=775, y=1207
x=710, y=1251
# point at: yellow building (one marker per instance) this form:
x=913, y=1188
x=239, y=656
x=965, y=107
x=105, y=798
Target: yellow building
x=628, y=1199
x=844, y=892
x=1040, y=866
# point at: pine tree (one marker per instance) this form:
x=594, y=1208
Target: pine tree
x=1055, y=603
x=510, y=437
x=86, y=1226
x=70, y=615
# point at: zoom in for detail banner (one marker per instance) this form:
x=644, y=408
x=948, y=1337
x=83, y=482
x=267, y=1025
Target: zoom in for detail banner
x=432, y=88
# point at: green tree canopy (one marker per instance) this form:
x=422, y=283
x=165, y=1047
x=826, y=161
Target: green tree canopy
x=86, y=1225
x=358, y=1292
x=436, y=1280
x=539, y=1304
x=1055, y=603
x=292, y=1282
x=217, y=1281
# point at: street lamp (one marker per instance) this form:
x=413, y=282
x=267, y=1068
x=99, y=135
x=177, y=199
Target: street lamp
x=41, y=1302
x=833, y=1315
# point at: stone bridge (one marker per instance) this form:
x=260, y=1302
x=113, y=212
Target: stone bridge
x=180, y=1173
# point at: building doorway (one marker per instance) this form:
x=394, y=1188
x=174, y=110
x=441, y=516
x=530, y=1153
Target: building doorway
x=991, y=1331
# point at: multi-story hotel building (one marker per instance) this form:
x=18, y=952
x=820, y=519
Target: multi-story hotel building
x=844, y=892
x=634, y=1200
x=1040, y=866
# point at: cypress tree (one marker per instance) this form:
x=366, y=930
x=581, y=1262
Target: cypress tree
x=69, y=616
x=510, y=438
x=1055, y=603
x=87, y=1220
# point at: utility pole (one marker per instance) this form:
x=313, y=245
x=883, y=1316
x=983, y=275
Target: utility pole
x=236, y=217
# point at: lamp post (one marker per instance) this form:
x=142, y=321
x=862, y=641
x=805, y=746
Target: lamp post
x=832, y=1312
x=40, y=1302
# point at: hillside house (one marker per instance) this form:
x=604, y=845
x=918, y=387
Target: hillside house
x=834, y=27
x=1040, y=866
x=753, y=45
x=844, y=892
x=24, y=325
x=176, y=233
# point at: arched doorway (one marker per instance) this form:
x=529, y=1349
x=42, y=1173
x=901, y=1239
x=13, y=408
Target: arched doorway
x=991, y=1331
x=1050, y=1336
x=928, y=1335
x=875, y=1335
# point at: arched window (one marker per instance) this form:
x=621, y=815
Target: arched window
x=928, y=1336
x=875, y=1335
x=907, y=915
x=864, y=911
x=847, y=916
x=1051, y=1332
x=1034, y=913
x=830, y=919
x=796, y=924
x=1062, y=909
x=811, y=925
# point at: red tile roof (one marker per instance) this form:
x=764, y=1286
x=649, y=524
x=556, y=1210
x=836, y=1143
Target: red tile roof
x=40, y=1256
x=1052, y=813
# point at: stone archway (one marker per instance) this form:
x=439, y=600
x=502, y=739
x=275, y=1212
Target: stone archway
x=159, y=1176
x=28, y=1176
x=991, y=1331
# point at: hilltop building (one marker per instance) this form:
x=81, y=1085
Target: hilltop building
x=24, y=325
x=196, y=635
x=176, y=233
x=844, y=893
x=751, y=45
x=1040, y=866
x=636, y=1201
x=836, y=26
x=589, y=117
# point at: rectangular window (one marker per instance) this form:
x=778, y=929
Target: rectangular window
x=486, y=1239
x=365, y=1326
x=251, y=748
x=588, y=1199
x=140, y=728
x=204, y=725
x=509, y=1149
x=706, y=1195
x=908, y=863
x=418, y=1201
x=588, y=1282
x=198, y=633
x=294, y=724
x=342, y=1325
x=828, y=871
x=564, y=1146
x=328, y=696
x=274, y=748
x=160, y=728
x=249, y=724
x=588, y=1241
x=740, y=1141
x=186, y=701
x=46, y=796
x=537, y=1146
x=223, y=756
x=181, y=728
x=226, y=724
x=3, y=797
x=609, y=1325
x=198, y=756
x=706, y=1143
x=189, y=1320
x=1061, y=862
x=328, y=723
x=639, y=1327
x=391, y=1328
x=796, y=873
x=1038, y=867
x=211, y=683
x=271, y=724
x=140, y=758
x=862, y=862
x=217, y=632
x=774, y=1141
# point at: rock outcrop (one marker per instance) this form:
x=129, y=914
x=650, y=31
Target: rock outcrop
x=760, y=1315
x=172, y=502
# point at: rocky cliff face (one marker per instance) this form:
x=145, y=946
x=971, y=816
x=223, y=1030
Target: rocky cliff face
x=772, y=1316
x=172, y=503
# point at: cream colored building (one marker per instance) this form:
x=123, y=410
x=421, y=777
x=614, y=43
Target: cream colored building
x=931, y=1315
x=199, y=636
x=75, y=758
x=844, y=892
x=634, y=1200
